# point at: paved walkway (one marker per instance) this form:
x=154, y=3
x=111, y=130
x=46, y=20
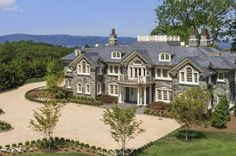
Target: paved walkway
x=77, y=122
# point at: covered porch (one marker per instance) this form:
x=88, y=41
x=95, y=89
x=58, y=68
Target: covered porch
x=140, y=95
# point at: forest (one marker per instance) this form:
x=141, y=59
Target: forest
x=23, y=60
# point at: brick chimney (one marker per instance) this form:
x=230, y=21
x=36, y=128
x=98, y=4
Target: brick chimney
x=113, y=38
x=205, y=38
x=193, y=40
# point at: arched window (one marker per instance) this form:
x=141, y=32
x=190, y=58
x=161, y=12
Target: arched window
x=84, y=66
x=137, y=62
x=189, y=73
x=115, y=55
x=164, y=57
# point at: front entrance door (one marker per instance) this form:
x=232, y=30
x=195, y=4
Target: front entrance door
x=130, y=95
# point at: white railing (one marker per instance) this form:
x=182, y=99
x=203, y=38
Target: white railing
x=140, y=79
x=157, y=38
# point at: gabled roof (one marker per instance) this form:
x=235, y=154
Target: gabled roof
x=141, y=53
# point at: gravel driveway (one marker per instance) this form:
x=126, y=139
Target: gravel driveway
x=77, y=122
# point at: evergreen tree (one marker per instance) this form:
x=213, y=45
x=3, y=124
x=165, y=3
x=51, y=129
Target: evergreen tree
x=221, y=115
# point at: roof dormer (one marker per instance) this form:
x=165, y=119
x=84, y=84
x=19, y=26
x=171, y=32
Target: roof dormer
x=115, y=55
x=165, y=57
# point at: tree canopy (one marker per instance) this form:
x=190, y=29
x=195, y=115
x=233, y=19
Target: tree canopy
x=25, y=59
x=176, y=17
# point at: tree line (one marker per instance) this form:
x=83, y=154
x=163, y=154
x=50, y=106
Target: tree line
x=23, y=60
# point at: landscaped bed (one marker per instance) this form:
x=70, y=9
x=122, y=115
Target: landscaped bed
x=159, y=108
x=4, y=126
x=57, y=146
x=40, y=95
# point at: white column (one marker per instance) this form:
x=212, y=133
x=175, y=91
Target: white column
x=150, y=94
x=145, y=95
x=138, y=96
x=120, y=95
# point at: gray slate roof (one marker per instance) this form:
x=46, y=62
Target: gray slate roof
x=150, y=51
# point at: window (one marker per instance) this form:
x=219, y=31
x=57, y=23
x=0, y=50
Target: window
x=87, y=89
x=138, y=62
x=163, y=94
x=100, y=70
x=83, y=68
x=162, y=73
x=164, y=57
x=113, y=70
x=79, y=88
x=115, y=55
x=68, y=83
x=189, y=75
x=69, y=68
x=113, y=89
x=222, y=76
x=99, y=88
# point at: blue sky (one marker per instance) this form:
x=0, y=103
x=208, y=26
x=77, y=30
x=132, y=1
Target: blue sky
x=77, y=17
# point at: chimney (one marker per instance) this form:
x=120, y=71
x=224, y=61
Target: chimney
x=205, y=38
x=113, y=38
x=193, y=40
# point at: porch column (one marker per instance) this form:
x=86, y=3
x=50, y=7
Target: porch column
x=145, y=95
x=123, y=94
x=150, y=94
x=138, y=96
x=120, y=95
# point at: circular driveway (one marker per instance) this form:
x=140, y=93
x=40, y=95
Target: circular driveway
x=78, y=122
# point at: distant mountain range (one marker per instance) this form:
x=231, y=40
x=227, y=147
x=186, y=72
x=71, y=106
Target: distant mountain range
x=77, y=41
x=66, y=40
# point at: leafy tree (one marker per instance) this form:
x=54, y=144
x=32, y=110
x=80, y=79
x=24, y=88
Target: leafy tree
x=221, y=115
x=176, y=17
x=123, y=124
x=189, y=106
x=46, y=118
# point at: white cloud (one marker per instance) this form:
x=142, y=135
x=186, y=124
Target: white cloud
x=8, y=5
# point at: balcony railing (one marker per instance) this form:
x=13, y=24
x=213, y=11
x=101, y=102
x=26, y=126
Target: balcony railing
x=140, y=79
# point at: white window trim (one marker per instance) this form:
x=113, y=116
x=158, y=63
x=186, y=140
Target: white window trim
x=185, y=82
x=169, y=92
x=81, y=68
x=164, y=60
x=114, y=92
x=86, y=91
x=221, y=80
x=168, y=78
x=79, y=91
x=69, y=69
x=113, y=73
x=116, y=52
x=68, y=84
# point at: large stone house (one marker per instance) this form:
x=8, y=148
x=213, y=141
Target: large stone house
x=154, y=69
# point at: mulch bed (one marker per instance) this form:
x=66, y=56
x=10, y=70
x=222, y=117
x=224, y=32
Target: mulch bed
x=231, y=127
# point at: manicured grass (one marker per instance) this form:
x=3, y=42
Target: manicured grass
x=208, y=144
x=55, y=154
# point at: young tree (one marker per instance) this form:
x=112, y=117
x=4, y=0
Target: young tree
x=46, y=118
x=123, y=124
x=176, y=17
x=189, y=106
x=221, y=115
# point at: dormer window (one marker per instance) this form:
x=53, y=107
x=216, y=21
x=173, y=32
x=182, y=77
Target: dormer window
x=164, y=57
x=189, y=75
x=115, y=55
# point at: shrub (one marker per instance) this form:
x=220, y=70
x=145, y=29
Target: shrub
x=221, y=115
x=108, y=99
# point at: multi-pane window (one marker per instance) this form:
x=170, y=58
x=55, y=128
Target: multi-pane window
x=83, y=68
x=79, y=88
x=164, y=57
x=113, y=69
x=87, y=89
x=113, y=89
x=115, y=55
x=163, y=95
x=188, y=75
x=68, y=83
x=222, y=76
x=162, y=73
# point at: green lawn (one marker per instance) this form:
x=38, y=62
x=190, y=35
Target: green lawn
x=211, y=144
x=56, y=154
